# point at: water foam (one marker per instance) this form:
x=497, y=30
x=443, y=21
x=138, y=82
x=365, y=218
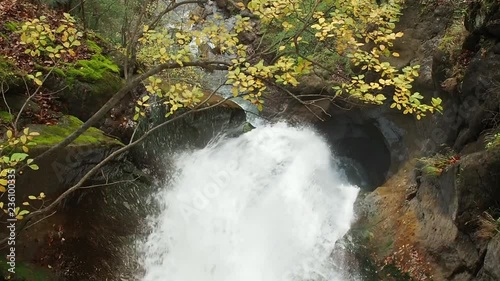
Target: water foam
x=266, y=206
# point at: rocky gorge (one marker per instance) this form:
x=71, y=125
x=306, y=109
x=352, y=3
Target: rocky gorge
x=430, y=189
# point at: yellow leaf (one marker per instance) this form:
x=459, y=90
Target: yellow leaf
x=31, y=197
x=3, y=181
x=9, y=134
x=2, y=189
x=235, y=91
x=395, y=54
x=240, y=5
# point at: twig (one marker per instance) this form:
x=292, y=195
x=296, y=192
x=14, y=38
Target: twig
x=46, y=217
x=108, y=184
x=111, y=156
x=3, y=95
x=29, y=97
x=218, y=65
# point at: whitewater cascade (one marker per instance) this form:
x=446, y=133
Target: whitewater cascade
x=268, y=205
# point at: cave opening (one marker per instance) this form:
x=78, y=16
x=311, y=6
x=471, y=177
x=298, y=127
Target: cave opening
x=360, y=149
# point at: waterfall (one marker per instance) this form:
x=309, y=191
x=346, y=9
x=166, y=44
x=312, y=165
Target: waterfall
x=268, y=205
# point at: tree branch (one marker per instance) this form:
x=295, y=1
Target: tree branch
x=120, y=94
x=51, y=207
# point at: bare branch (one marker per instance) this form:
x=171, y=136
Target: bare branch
x=306, y=104
x=52, y=206
x=109, y=183
x=44, y=218
x=121, y=93
x=3, y=91
x=30, y=97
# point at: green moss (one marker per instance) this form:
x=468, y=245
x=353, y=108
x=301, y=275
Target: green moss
x=452, y=40
x=6, y=117
x=92, y=70
x=53, y=134
x=59, y=72
x=26, y=272
x=8, y=71
x=92, y=46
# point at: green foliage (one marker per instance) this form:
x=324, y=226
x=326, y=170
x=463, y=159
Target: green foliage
x=43, y=40
x=91, y=70
x=6, y=117
x=8, y=71
x=452, y=40
x=110, y=18
x=493, y=141
x=359, y=30
x=14, y=148
x=92, y=46
x=436, y=165
x=25, y=272
x=11, y=26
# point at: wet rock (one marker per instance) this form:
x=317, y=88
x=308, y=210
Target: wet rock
x=483, y=17
x=247, y=37
x=479, y=100
x=491, y=270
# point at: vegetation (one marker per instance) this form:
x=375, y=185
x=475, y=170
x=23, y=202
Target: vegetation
x=493, y=141
x=158, y=52
x=384, y=260
x=488, y=226
x=53, y=134
x=436, y=165
x=92, y=70
x=25, y=271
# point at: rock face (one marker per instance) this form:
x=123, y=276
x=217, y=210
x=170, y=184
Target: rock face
x=77, y=227
x=95, y=229
x=491, y=271
x=447, y=211
x=440, y=215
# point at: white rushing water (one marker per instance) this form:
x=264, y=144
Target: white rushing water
x=266, y=206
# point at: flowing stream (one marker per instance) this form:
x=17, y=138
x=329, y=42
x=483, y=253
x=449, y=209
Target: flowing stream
x=268, y=205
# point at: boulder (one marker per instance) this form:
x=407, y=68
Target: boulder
x=491, y=270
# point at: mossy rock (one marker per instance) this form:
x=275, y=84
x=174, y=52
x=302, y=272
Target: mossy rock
x=26, y=272
x=8, y=71
x=87, y=85
x=53, y=134
x=6, y=117
x=92, y=70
